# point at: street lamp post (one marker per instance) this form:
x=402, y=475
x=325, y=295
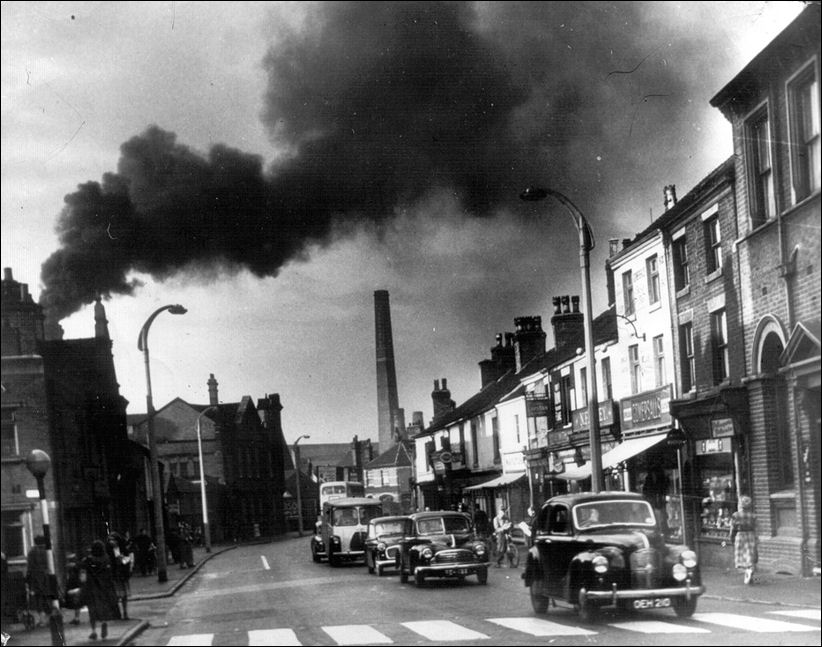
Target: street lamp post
x=299, y=489
x=159, y=532
x=206, y=529
x=38, y=463
x=586, y=244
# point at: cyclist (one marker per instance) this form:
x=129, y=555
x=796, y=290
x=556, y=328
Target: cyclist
x=502, y=528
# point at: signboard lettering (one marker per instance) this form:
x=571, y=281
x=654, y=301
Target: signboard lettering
x=537, y=407
x=713, y=446
x=722, y=427
x=606, y=415
x=647, y=409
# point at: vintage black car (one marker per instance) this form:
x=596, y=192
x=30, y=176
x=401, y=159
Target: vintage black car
x=441, y=544
x=381, y=542
x=593, y=550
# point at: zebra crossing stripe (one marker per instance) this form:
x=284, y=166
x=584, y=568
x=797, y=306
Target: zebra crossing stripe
x=540, y=627
x=443, y=630
x=355, y=635
x=805, y=614
x=749, y=623
x=658, y=627
x=284, y=637
x=192, y=639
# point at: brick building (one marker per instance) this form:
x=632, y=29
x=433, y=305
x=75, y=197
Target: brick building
x=244, y=460
x=62, y=396
x=773, y=108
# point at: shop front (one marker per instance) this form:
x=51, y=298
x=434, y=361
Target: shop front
x=716, y=467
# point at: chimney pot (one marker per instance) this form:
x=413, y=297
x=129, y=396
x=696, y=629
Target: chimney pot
x=566, y=304
x=557, y=301
x=7, y=274
x=574, y=304
x=669, y=193
x=444, y=384
x=436, y=385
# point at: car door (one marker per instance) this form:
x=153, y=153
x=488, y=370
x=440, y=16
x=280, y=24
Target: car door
x=558, y=548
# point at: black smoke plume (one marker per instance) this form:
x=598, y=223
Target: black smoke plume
x=376, y=104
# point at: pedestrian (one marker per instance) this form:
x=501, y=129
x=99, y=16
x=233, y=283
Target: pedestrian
x=121, y=560
x=143, y=547
x=743, y=536
x=37, y=579
x=502, y=524
x=480, y=521
x=97, y=589
x=73, y=585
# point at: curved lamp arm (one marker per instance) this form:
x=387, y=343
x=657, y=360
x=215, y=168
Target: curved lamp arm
x=142, y=341
x=586, y=236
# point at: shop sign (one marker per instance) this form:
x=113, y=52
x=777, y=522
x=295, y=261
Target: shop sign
x=513, y=462
x=537, y=407
x=558, y=438
x=713, y=446
x=647, y=410
x=606, y=415
x=722, y=427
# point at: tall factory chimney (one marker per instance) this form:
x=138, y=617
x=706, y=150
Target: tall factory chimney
x=387, y=399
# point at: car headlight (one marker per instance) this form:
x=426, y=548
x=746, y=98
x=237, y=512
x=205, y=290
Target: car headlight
x=688, y=558
x=600, y=564
x=426, y=553
x=335, y=540
x=381, y=547
x=680, y=572
x=479, y=549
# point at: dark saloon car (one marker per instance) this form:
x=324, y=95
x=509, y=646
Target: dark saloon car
x=595, y=550
x=381, y=542
x=441, y=544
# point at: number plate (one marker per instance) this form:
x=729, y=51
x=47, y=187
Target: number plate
x=652, y=603
x=457, y=571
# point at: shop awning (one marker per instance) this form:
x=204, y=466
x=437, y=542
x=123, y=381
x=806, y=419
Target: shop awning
x=505, y=479
x=621, y=452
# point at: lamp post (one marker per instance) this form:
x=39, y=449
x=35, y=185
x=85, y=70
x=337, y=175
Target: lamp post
x=299, y=489
x=157, y=486
x=38, y=463
x=586, y=244
x=206, y=529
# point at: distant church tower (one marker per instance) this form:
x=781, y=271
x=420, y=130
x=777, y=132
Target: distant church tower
x=388, y=409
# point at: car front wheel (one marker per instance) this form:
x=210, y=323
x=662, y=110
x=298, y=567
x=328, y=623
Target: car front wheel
x=685, y=608
x=482, y=576
x=419, y=578
x=539, y=601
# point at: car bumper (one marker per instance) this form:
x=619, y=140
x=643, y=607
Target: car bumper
x=687, y=591
x=452, y=570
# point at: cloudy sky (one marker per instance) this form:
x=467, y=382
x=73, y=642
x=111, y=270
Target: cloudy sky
x=270, y=165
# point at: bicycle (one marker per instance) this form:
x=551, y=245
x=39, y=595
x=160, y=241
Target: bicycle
x=509, y=552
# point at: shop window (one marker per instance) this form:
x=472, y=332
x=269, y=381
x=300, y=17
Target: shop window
x=717, y=490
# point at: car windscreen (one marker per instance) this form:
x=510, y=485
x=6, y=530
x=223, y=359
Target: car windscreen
x=600, y=514
x=431, y=526
x=389, y=527
x=369, y=512
x=457, y=525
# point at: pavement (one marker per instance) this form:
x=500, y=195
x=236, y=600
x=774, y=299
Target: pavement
x=775, y=589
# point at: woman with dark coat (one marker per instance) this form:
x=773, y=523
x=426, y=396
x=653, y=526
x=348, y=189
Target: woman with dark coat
x=119, y=553
x=97, y=589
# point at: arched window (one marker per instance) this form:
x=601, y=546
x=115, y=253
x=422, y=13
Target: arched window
x=770, y=351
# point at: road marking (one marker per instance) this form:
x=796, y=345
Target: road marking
x=658, y=627
x=749, y=623
x=443, y=630
x=285, y=637
x=806, y=614
x=192, y=639
x=355, y=635
x=540, y=627
x=265, y=563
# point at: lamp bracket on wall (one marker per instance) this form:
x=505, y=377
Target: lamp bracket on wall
x=633, y=325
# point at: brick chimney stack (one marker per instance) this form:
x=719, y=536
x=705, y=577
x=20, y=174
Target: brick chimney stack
x=669, y=193
x=22, y=318
x=213, y=398
x=441, y=398
x=529, y=340
x=502, y=360
x=100, y=321
x=568, y=323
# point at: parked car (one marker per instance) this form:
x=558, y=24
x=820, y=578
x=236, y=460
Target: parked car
x=381, y=542
x=342, y=527
x=593, y=550
x=441, y=544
